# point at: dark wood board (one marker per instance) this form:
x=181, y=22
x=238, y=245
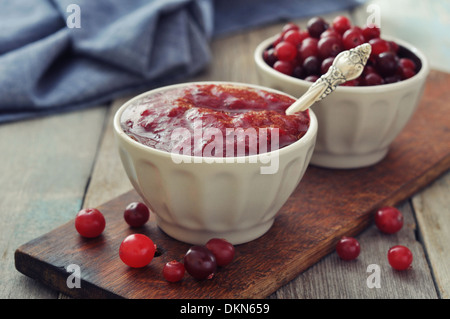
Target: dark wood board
x=327, y=205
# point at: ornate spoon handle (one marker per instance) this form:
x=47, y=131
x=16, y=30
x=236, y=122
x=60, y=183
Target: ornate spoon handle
x=347, y=65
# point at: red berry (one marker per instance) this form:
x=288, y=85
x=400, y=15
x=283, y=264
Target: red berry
x=329, y=47
x=200, y=262
x=311, y=65
x=407, y=63
x=407, y=73
x=222, y=250
x=389, y=220
x=90, y=222
x=316, y=26
x=285, y=51
x=330, y=33
x=400, y=257
x=350, y=83
x=136, y=214
x=173, y=271
x=290, y=26
x=294, y=37
x=394, y=46
x=386, y=63
x=352, y=38
x=308, y=48
x=378, y=46
x=326, y=65
x=284, y=67
x=348, y=248
x=341, y=24
x=311, y=78
x=371, y=32
x=137, y=250
x=373, y=79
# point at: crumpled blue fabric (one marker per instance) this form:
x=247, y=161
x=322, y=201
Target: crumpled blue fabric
x=49, y=65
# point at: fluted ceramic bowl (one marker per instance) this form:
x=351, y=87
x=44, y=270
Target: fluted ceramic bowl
x=356, y=124
x=195, y=200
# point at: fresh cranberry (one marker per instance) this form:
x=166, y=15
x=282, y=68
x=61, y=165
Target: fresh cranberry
x=330, y=33
x=378, y=46
x=400, y=257
x=289, y=26
x=285, y=51
x=352, y=38
x=392, y=79
x=329, y=47
x=200, y=262
x=90, y=222
x=341, y=24
x=316, y=26
x=295, y=37
x=311, y=78
x=407, y=63
x=269, y=56
x=308, y=48
x=284, y=67
x=136, y=214
x=173, y=271
x=348, y=248
x=298, y=72
x=386, y=63
x=137, y=250
x=373, y=79
x=222, y=250
x=311, y=65
x=326, y=65
x=389, y=220
x=394, y=46
x=407, y=73
x=350, y=83
x=371, y=32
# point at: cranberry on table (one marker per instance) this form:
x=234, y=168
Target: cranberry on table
x=400, y=257
x=200, y=262
x=173, y=271
x=137, y=250
x=136, y=214
x=389, y=220
x=222, y=250
x=90, y=222
x=348, y=248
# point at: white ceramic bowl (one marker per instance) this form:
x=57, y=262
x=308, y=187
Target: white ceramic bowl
x=356, y=124
x=194, y=202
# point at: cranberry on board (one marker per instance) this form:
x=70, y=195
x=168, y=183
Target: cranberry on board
x=173, y=271
x=90, y=222
x=222, y=250
x=200, y=262
x=137, y=250
x=136, y=214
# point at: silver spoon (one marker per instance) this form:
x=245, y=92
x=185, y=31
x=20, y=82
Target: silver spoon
x=347, y=65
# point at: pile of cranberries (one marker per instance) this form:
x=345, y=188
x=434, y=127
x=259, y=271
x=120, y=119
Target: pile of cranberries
x=138, y=250
x=388, y=220
x=307, y=54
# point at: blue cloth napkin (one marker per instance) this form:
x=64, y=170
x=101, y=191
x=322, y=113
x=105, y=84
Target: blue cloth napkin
x=61, y=55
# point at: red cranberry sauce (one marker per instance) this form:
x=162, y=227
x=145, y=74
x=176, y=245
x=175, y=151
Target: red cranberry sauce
x=207, y=112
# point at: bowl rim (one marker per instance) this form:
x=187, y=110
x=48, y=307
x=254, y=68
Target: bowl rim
x=306, y=139
x=423, y=72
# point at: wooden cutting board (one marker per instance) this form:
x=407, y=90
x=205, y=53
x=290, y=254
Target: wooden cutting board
x=327, y=205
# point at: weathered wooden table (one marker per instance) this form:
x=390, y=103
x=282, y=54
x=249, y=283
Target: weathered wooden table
x=51, y=167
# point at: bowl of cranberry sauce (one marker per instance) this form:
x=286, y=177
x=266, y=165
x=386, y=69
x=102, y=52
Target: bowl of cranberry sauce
x=214, y=159
x=361, y=118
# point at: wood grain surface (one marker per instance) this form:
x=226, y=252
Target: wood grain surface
x=327, y=204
